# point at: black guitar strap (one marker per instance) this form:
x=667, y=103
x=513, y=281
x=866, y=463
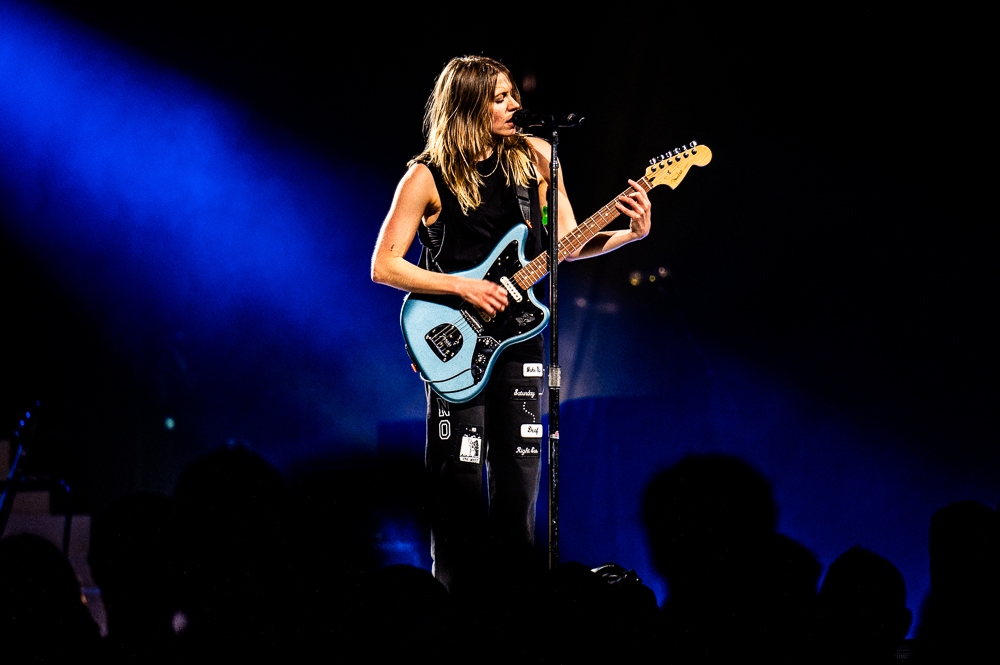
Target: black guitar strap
x=524, y=200
x=525, y=203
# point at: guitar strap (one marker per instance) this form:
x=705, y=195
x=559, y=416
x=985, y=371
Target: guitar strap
x=525, y=203
x=524, y=200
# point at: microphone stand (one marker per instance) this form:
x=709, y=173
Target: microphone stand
x=553, y=125
x=555, y=373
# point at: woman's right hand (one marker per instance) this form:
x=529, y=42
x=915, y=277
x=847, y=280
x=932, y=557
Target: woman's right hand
x=487, y=296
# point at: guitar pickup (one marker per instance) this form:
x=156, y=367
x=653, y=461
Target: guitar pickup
x=511, y=289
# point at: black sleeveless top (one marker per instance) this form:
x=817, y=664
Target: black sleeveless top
x=456, y=241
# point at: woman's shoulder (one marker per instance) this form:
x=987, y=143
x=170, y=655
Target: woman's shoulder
x=418, y=173
x=418, y=183
x=539, y=145
x=541, y=155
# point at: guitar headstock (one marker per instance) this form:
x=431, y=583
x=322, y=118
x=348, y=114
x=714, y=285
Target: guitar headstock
x=671, y=167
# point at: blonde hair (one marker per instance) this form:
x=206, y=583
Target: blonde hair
x=458, y=125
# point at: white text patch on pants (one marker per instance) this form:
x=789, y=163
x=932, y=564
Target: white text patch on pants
x=471, y=447
x=531, y=431
x=532, y=369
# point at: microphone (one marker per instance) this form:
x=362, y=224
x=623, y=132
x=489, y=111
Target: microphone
x=524, y=119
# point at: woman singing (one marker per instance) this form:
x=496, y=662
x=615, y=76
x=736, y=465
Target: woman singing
x=460, y=196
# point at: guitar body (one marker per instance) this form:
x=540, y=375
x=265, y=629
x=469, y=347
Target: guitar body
x=455, y=345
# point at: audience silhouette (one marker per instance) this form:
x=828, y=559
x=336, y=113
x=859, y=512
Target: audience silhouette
x=133, y=558
x=237, y=586
x=960, y=617
x=43, y=615
x=234, y=567
x=862, y=617
x=737, y=589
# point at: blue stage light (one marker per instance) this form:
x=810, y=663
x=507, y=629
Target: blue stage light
x=194, y=231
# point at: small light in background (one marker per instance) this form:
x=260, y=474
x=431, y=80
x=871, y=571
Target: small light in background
x=652, y=278
x=663, y=272
x=169, y=423
x=634, y=278
x=580, y=302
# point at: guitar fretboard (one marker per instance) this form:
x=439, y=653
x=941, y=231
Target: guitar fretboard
x=537, y=268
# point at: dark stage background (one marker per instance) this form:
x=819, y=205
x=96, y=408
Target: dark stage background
x=189, y=197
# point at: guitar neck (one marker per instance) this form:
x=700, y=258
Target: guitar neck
x=537, y=268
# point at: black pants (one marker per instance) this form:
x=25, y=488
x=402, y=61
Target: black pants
x=501, y=428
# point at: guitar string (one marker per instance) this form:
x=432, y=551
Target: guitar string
x=593, y=224
x=457, y=323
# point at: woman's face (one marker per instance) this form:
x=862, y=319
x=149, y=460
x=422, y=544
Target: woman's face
x=504, y=106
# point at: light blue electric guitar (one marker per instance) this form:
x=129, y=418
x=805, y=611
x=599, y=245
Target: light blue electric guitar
x=454, y=345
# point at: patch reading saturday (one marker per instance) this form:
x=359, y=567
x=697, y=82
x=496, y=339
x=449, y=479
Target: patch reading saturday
x=531, y=431
x=532, y=369
x=472, y=446
x=523, y=393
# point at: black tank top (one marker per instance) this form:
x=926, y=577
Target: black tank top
x=456, y=241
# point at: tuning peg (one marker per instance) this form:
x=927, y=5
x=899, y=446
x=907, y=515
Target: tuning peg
x=694, y=143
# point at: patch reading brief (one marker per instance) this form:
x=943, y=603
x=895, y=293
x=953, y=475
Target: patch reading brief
x=532, y=369
x=472, y=446
x=531, y=431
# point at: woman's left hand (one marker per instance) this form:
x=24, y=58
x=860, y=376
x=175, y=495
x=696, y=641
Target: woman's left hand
x=635, y=205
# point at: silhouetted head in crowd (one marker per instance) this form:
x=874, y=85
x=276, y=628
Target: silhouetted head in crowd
x=233, y=492
x=596, y=615
x=964, y=547
x=405, y=611
x=862, y=615
x=233, y=506
x=703, y=508
x=134, y=560
x=960, y=616
x=737, y=589
x=43, y=615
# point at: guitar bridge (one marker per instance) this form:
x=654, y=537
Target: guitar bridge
x=445, y=341
x=472, y=320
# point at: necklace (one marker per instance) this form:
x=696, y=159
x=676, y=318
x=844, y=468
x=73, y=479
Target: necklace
x=487, y=175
